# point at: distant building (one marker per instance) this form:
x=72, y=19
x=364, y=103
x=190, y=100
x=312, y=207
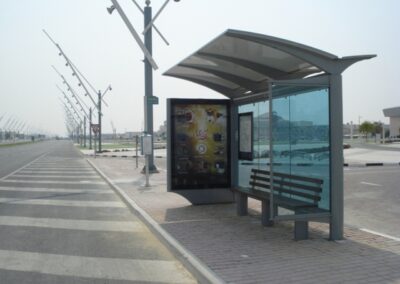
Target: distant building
x=394, y=116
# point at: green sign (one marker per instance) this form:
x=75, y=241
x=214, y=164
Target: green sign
x=152, y=100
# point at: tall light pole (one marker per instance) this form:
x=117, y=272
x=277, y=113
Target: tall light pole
x=149, y=65
x=99, y=114
x=81, y=78
x=148, y=85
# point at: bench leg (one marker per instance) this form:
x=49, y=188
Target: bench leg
x=265, y=213
x=300, y=230
x=241, y=204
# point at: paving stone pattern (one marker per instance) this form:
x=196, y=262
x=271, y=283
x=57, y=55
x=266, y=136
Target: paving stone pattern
x=240, y=250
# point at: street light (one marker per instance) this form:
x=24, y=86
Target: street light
x=76, y=73
x=149, y=64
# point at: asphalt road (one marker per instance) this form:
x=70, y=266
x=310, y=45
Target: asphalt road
x=14, y=157
x=61, y=223
x=372, y=199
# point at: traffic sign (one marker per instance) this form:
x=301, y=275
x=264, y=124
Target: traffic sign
x=95, y=128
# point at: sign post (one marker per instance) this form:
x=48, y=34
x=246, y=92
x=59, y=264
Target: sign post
x=147, y=151
x=95, y=128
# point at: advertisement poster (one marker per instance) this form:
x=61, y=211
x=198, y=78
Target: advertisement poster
x=200, y=144
x=246, y=136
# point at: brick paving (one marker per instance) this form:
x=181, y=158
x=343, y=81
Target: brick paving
x=240, y=250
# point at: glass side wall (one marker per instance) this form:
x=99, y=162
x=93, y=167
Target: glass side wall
x=301, y=149
x=260, y=130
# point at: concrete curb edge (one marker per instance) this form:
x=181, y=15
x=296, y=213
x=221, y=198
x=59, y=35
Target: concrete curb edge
x=199, y=270
x=369, y=164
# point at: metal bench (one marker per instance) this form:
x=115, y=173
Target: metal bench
x=296, y=193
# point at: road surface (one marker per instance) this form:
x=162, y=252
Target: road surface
x=61, y=223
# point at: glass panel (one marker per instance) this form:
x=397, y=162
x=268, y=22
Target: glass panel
x=260, y=130
x=301, y=149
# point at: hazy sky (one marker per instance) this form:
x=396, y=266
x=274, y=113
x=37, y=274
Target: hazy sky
x=104, y=50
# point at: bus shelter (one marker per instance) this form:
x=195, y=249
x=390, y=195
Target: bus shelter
x=283, y=116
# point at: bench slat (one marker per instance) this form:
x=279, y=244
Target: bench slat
x=288, y=191
x=288, y=183
x=313, y=180
x=288, y=203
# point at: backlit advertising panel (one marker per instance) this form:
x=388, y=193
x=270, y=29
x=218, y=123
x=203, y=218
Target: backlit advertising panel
x=200, y=153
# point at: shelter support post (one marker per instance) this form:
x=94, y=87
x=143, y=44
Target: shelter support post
x=266, y=218
x=300, y=230
x=336, y=137
x=241, y=201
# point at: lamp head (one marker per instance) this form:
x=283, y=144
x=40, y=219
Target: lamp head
x=110, y=9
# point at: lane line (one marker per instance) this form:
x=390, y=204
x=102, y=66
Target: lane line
x=25, y=166
x=55, y=172
x=54, y=181
x=59, y=202
x=71, y=224
x=57, y=168
x=92, y=267
x=56, y=190
x=59, y=176
x=380, y=234
x=370, y=183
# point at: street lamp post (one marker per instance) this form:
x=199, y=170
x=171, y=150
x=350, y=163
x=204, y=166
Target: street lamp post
x=90, y=128
x=99, y=114
x=148, y=86
x=149, y=64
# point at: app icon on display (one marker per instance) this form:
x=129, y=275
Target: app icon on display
x=201, y=148
x=201, y=166
x=220, y=167
x=219, y=151
x=217, y=137
x=182, y=150
x=189, y=116
x=181, y=137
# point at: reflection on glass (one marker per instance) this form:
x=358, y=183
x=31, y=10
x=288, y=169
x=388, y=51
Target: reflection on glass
x=301, y=147
x=260, y=141
x=301, y=142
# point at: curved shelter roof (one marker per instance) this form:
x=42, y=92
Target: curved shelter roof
x=239, y=63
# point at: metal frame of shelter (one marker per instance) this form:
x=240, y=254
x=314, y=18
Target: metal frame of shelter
x=246, y=67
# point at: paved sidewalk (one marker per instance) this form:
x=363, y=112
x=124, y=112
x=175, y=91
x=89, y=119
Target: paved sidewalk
x=240, y=250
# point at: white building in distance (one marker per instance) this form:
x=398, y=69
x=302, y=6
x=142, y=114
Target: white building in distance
x=394, y=116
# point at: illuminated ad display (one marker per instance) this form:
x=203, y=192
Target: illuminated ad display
x=200, y=144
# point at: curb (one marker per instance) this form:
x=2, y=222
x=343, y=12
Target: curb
x=116, y=156
x=200, y=271
x=370, y=164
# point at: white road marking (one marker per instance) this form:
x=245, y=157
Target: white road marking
x=60, y=176
x=380, y=234
x=57, y=168
x=369, y=183
x=70, y=224
x=58, y=202
x=55, y=172
x=56, y=190
x=54, y=181
x=23, y=167
x=92, y=267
